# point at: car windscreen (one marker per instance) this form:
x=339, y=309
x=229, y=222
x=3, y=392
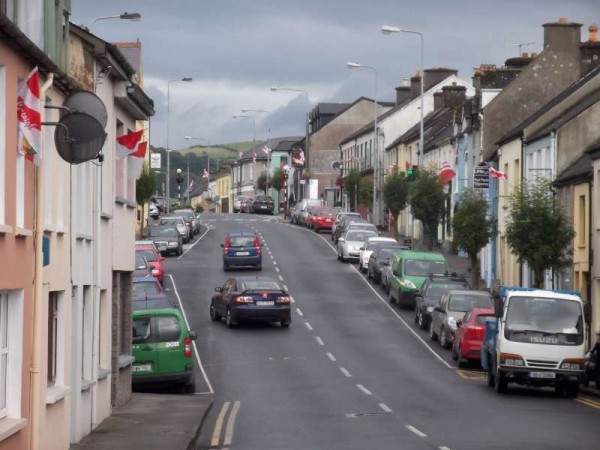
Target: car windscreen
x=259, y=285
x=359, y=235
x=387, y=252
x=140, y=262
x=437, y=289
x=172, y=221
x=241, y=241
x=162, y=231
x=151, y=303
x=542, y=314
x=149, y=254
x=423, y=267
x=145, y=288
x=465, y=302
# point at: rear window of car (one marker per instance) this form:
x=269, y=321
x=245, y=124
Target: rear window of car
x=140, y=262
x=483, y=318
x=145, y=288
x=253, y=285
x=167, y=329
x=172, y=221
x=464, y=303
x=241, y=241
x=152, y=303
x=387, y=253
x=141, y=330
x=149, y=254
x=359, y=235
x=436, y=289
x=154, y=231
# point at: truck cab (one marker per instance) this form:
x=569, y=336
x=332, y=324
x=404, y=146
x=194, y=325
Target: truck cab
x=537, y=339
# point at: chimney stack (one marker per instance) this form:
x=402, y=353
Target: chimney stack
x=403, y=93
x=562, y=35
x=437, y=75
x=454, y=95
x=415, y=85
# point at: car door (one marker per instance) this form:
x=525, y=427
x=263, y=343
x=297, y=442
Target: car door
x=437, y=314
x=144, y=347
x=224, y=296
x=169, y=343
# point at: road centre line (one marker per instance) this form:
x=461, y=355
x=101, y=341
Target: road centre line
x=345, y=372
x=364, y=389
x=214, y=443
x=588, y=402
x=285, y=288
x=300, y=313
x=385, y=302
x=211, y=391
x=274, y=262
x=319, y=340
x=308, y=326
x=280, y=278
x=417, y=432
x=385, y=407
x=443, y=447
x=276, y=268
x=331, y=357
x=231, y=424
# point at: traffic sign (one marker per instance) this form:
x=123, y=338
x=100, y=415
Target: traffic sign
x=155, y=160
x=481, y=176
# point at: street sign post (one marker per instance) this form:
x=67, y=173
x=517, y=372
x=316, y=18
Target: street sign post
x=155, y=161
x=481, y=176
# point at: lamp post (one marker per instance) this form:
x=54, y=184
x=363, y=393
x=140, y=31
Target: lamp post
x=306, y=142
x=377, y=165
x=387, y=29
x=268, y=137
x=185, y=80
x=179, y=180
x=246, y=116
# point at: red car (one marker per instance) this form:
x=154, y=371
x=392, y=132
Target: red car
x=468, y=337
x=154, y=258
x=322, y=219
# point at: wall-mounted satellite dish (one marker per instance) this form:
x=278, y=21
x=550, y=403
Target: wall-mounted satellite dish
x=89, y=103
x=79, y=137
x=336, y=165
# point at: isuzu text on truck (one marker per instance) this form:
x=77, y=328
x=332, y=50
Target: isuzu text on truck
x=537, y=339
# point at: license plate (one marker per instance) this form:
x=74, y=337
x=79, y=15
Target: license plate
x=242, y=253
x=263, y=303
x=542, y=375
x=263, y=207
x=142, y=368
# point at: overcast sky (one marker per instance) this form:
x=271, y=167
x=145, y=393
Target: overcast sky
x=235, y=50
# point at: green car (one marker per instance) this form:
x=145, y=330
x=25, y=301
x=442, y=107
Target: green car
x=162, y=347
x=409, y=270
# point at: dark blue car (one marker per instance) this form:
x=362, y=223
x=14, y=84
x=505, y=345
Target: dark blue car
x=242, y=249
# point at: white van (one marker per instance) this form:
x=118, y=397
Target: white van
x=301, y=210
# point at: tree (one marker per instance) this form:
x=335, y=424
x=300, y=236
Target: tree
x=427, y=202
x=276, y=180
x=261, y=182
x=365, y=192
x=395, y=195
x=145, y=187
x=351, y=186
x=537, y=230
x=472, y=227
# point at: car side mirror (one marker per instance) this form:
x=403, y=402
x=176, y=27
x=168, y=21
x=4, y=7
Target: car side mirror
x=458, y=323
x=438, y=308
x=362, y=248
x=192, y=335
x=341, y=239
x=218, y=289
x=587, y=312
x=385, y=263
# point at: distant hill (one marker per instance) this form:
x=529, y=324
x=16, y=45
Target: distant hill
x=219, y=151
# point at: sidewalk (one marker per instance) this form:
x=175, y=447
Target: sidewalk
x=151, y=421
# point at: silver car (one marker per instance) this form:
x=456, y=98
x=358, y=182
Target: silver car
x=179, y=223
x=349, y=243
x=368, y=247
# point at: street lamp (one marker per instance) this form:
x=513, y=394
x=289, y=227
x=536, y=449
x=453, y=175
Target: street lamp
x=179, y=180
x=185, y=80
x=387, y=29
x=306, y=142
x=245, y=110
x=378, y=166
x=125, y=16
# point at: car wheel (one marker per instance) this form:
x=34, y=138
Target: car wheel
x=259, y=267
x=180, y=250
x=285, y=323
x=214, y=315
x=387, y=288
x=444, y=341
x=432, y=334
x=229, y=320
x=422, y=322
x=500, y=383
x=190, y=388
x=455, y=354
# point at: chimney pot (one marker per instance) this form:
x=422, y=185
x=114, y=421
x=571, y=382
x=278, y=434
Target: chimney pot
x=593, y=29
x=563, y=20
x=525, y=55
x=533, y=55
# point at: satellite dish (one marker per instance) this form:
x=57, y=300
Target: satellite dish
x=89, y=103
x=79, y=137
x=336, y=165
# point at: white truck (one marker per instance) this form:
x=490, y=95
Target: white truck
x=537, y=339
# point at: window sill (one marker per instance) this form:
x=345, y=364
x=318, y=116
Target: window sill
x=9, y=426
x=86, y=385
x=106, y=216
x=120, y=200
x=131, y=205
x=6, y=229
x=103, y=373
x=125, y=361
x=23, y=232
x=56, y=393
x=54, y=229
x=84, y=237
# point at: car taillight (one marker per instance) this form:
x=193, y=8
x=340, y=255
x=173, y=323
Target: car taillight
x=283, y=299
x=155, y=271
x=474, y=327
x=187, y=349
x=257, y=245
x=227, y=245
x=244, y=299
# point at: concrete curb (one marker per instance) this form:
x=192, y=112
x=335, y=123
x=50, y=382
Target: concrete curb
x=194, y=442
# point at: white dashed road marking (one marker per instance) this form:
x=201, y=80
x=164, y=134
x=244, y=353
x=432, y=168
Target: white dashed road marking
x=387, y=409
x=364, y=389
x=299, y=311
x=308, y=326
x=331, y=357
x=417, y=432
x=345, y=372
x=319, y=340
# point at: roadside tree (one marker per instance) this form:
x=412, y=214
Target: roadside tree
x=537, y=230
x=261, y=182
x=427, y=202
x=145, y=187
x=395, y=196
x=351, y=186
x=471, y=228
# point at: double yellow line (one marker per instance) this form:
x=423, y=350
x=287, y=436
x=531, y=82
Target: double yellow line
x=229, y=427
x=588, y=402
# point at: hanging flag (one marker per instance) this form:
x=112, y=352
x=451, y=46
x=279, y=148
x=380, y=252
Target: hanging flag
x=29, y=117
x=456, y=154
x=205, y=174
x=466, y=151
x=446, y=173
x=497, y=174
x=266, y=150
x=300, y=159
x=186, y=194
x=254, y=158
x=128, y=143
x=135, y=160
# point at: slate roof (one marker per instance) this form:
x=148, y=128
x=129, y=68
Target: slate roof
x=434, y=125
x=132, y=52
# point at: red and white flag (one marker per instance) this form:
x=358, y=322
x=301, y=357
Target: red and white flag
x=205, y=174
x=29, y=117
x=135, y=160
x=300, y=159
x=446, y=173
x=128, y=143
x=266, y=150
x=456, y=154
x=497, y=174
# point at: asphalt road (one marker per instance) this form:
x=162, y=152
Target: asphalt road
x=352, y=372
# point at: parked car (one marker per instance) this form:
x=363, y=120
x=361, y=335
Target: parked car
x=349, y=244
x=242, y=248
x=409, y=270
x=301, y=215
x=162, y=348
x=142, y=267
x=339, y=217
x=323, y=219
x=154, y=258
x=368, y=247
x=468, y=337
x=190, y=219
x=148, y=293
x=246, y=205
x=179, y=223
x=237, y=203
x=242, y=299
x=263, y=204
x=431, y=292
x=452, y=307
x=167, y=239
x=153, y=211
x=379, y=260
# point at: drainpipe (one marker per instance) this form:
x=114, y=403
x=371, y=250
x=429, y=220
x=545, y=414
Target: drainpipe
x=38, y=293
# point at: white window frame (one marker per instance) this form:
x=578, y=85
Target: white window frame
x=11, y=323
x=2, y=144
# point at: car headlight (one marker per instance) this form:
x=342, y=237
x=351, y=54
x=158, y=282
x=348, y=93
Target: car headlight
x=409, y=284
x=509, y=359
x=451, y=322
x=572, y=364
x=171, y=243
x=430, y=309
